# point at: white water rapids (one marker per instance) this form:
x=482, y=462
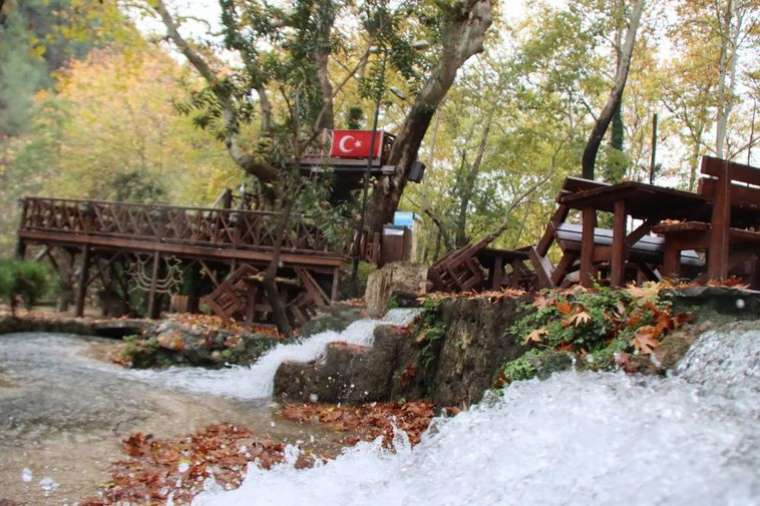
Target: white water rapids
x=574, y=439
x=257, y=381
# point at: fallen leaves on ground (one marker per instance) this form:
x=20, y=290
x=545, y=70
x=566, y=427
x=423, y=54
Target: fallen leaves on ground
x=369, y=421
x=215, y=323
x=160, y=468
x=491, y=295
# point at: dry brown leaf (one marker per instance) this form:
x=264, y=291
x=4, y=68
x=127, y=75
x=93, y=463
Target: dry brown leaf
x=535, y=336
x=579, y=318
x=645, y=340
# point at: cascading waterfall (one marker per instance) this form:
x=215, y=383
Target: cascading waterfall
x=576, y=438
x=256, y=381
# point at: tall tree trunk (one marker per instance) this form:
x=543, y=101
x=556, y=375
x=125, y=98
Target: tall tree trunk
x=726, y=73
x=616, y=94
x=463, y=37
x=468, y=185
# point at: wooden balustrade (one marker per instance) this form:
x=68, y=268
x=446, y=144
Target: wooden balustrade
x=196, y=226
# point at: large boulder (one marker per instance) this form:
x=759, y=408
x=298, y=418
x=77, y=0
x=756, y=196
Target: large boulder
x=450, y=355
x=347, y=372
x=401, y=279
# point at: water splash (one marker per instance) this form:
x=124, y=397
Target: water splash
x=257, y=381
x=574, y=439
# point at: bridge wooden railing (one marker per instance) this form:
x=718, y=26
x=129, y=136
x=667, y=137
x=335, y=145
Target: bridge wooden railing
x=196, y=226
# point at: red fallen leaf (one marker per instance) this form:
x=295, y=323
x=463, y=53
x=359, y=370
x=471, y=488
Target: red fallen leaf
x=370, y=420
x=564, y=307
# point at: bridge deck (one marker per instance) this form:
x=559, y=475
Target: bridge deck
x=187, y=232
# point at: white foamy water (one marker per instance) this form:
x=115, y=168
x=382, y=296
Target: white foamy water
x=257, y=381
x=574, y=439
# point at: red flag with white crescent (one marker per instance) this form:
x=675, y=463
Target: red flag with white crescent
x=355, y=143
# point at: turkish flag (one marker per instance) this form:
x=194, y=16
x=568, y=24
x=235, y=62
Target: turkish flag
x=355, y=143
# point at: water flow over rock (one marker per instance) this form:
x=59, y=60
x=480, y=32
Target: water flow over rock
x=579, y=439
x=256, y=381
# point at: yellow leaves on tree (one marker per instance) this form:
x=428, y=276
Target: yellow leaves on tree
x=121, y=124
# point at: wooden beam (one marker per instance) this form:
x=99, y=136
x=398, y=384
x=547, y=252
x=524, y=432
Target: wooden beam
x=619, y=250
x=180, y=250
x=559, y=216
x=641, y=231
x=543, y=268
x=83, y=281
x=587, y=247
x=564, y=265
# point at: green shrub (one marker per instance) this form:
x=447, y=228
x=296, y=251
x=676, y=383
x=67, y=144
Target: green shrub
x=594, y=325
x=25, y=280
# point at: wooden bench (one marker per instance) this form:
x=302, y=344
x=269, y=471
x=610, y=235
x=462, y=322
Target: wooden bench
x=733, y=189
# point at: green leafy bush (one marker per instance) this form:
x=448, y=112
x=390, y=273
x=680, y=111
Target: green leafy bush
x=591, y=324
x=23, y=280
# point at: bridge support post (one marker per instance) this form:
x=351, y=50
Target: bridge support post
x=20, y=250
x=83, y=281
x=154, y=311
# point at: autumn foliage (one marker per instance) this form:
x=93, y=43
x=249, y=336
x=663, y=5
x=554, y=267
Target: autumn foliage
x=160, y=468
x=594, y=325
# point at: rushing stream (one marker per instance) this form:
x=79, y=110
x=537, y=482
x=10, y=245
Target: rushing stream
x=575, y=439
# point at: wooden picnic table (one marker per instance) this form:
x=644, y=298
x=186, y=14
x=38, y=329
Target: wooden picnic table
x=646, y=202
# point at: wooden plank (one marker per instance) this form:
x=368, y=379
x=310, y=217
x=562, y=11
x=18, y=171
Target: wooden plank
x=619, y=249
x=587, y=247
x=740, y=196
x=717, y=167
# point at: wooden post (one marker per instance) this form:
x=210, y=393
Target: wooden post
x=20, y=250
x=587, y=247
x=153, y=307
x=193, y=292
x=250, y=303
x=717, y=261
x=83, y=282
x=617, y=276
x=497, y=272
x=335, y=284
x=671, y=261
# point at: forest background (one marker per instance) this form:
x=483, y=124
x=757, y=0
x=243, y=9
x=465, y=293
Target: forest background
x=94, y=104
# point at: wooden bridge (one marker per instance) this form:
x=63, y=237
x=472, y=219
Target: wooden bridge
x=109, y=240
